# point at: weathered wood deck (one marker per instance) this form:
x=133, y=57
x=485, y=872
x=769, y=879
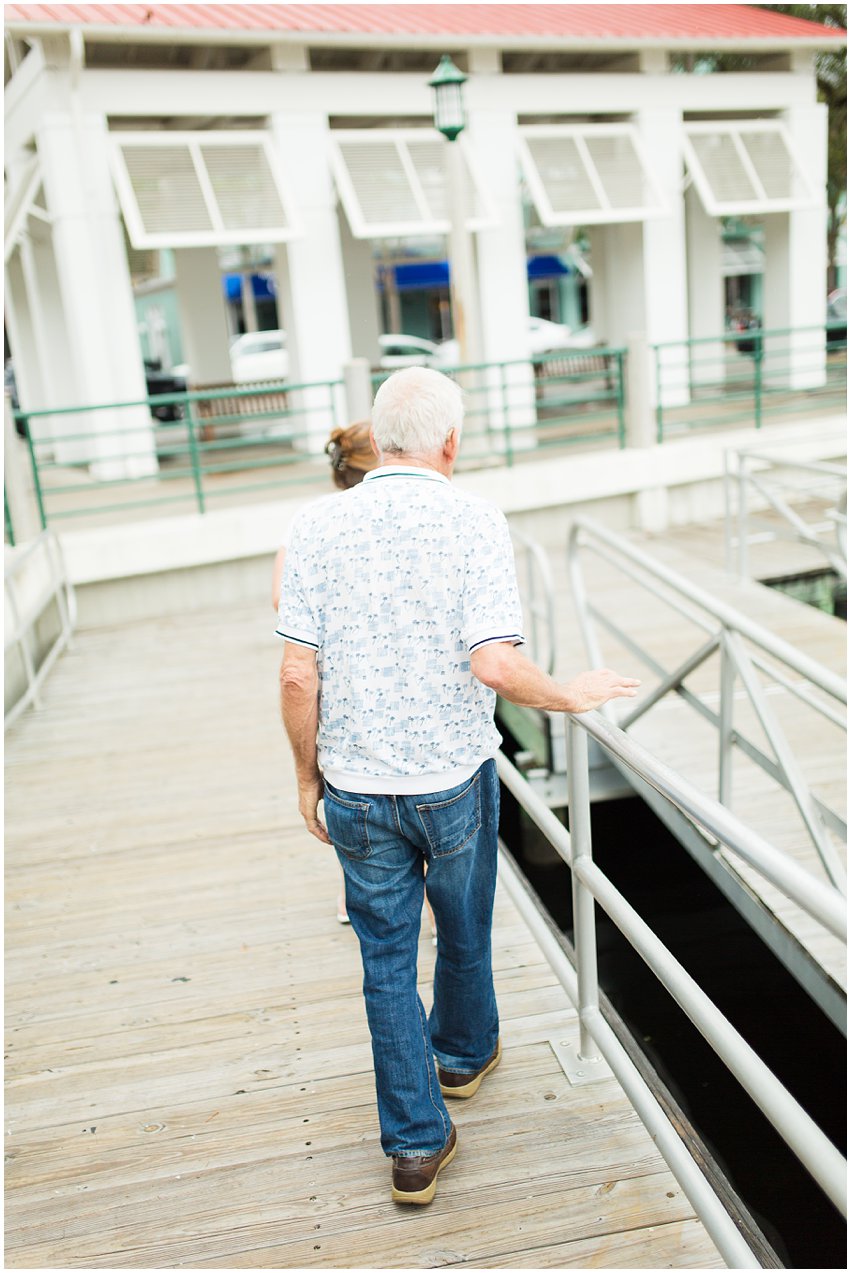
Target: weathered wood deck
x=189, y=1075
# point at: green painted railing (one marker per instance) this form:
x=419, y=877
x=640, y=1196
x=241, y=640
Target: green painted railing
x=741, y=377
x=214, y=446
x=8, y=528
x=229, y=444
x=554, y=401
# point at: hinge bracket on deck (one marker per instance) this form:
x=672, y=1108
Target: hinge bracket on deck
x=579, y=1069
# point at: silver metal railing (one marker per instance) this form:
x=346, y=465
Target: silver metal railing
x=537, y=594
x=745, y=648
x=33, y=580
x=813, y=1149
x=775, y=478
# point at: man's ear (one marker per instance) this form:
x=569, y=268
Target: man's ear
x=451, y=445
x=372, y=442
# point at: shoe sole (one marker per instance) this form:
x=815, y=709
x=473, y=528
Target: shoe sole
x=424, y=1196
x=469, y=1089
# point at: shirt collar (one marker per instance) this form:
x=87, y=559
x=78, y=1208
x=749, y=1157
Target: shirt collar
x=404, y=470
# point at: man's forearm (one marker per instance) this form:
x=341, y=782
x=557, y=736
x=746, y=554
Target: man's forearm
x=507, y=670
x=300, y=714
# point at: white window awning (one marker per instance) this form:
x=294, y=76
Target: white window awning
x=747, y=166
x=201, y=189
x=392, y=183
x=588, y=174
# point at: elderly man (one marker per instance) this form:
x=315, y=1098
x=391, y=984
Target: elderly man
x=401, y=617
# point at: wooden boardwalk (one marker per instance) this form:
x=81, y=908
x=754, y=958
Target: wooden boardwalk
x=189, y=1076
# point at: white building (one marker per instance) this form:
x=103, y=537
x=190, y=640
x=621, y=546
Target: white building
x=310, y=128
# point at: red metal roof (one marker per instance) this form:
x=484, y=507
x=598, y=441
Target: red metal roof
x=659, y=23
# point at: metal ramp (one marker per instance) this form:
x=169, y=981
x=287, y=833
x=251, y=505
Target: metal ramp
x=742, y=713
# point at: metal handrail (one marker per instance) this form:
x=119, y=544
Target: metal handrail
x=810, y=1145
x=538, y=597
x=20, y=632
x=726, y=630
x=739, y=475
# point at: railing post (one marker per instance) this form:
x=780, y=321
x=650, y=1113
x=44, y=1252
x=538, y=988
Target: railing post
x=759, y=348
x=621, y=400
x=39, y=496
x=194, y=456
x=584, y=925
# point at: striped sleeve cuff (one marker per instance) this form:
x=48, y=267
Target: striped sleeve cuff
x=515, y=638
x=297, y=638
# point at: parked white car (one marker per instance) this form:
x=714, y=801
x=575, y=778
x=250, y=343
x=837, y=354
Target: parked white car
x=259, y=356
x=545, y=336
x=398, y=350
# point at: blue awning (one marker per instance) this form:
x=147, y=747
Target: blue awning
x=262, y=285
x=419, y=275
x=546, y=267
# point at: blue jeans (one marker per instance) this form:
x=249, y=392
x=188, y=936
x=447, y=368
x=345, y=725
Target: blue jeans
x=383, y=843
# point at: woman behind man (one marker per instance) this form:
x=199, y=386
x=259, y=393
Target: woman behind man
x=352, y=457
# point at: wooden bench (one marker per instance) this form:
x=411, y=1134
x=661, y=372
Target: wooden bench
x=223, y=416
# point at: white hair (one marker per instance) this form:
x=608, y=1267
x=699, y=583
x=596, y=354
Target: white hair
x=414, y=411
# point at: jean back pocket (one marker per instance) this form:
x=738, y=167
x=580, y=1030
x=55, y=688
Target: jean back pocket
x=451, y=824
x=347, y=824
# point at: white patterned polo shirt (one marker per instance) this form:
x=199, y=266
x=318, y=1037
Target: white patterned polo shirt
x=394, y=583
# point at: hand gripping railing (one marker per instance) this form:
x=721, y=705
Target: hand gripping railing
x=813, y=1149
x=26, y=602
x=726, y=630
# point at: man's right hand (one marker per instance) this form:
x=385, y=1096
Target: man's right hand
x=507, y=670
x=593, y=689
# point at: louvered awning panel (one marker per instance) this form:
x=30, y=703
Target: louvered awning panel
x=746, y=167
x=167, y=190
x=724, y=168
x=772, y=161
x=563, y=174
x=244, y=187
x=591, y=174
x=381, y=185
x=200, y=189
x=392, y=183
x=620, y=171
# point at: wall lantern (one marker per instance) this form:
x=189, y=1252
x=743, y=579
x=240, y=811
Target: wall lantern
x=447, y=83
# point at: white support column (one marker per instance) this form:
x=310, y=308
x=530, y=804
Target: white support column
x=316, y=305
x=705, y=292
x=95, y=288
x=503, y=287
x=796, y=266
x=203, y=320
x=664, y=251
x=361, y=295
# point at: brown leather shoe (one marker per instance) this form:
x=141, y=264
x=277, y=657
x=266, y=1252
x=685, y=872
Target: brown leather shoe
x=415, y=1179
x=463, y=1086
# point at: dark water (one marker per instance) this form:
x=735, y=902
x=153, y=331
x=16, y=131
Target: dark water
x=751, y=987
x=823, y=589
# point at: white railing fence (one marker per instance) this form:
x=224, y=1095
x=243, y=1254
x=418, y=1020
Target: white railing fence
x=35, y=580
x=597, y=1039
